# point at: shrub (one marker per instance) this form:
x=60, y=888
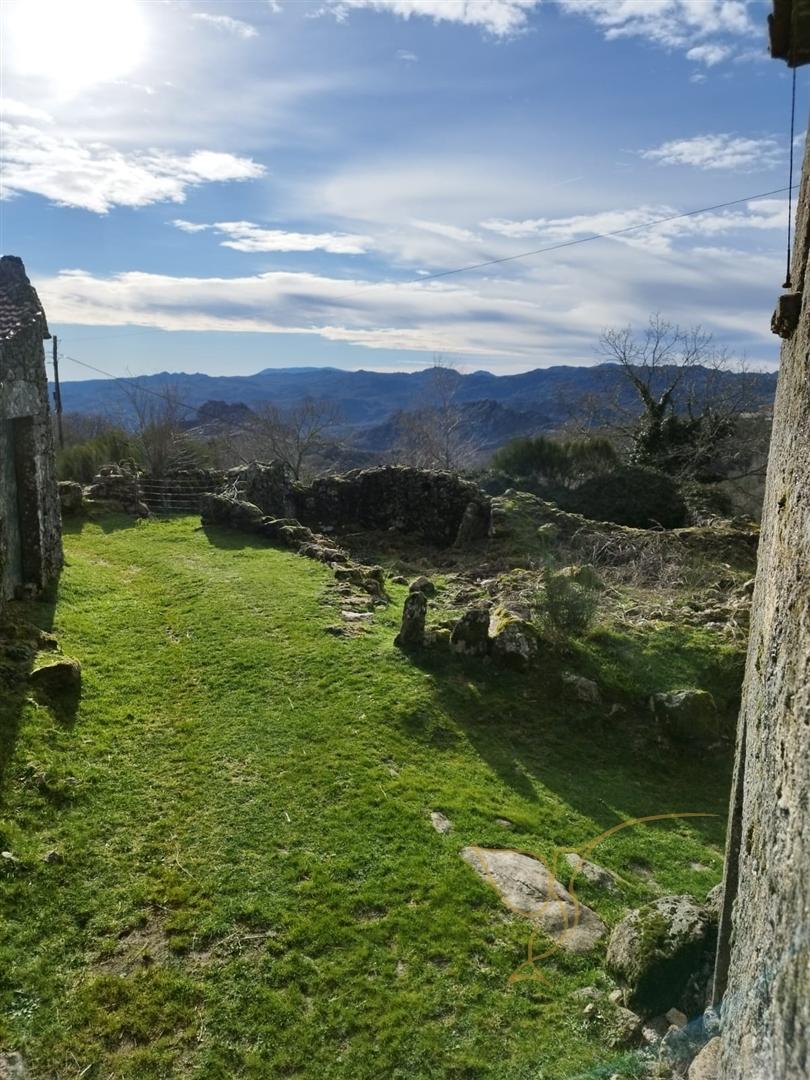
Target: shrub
x=630, y=495
x=564, y=607
x=82, y=461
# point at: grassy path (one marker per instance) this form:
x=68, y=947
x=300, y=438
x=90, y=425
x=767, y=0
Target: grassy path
x=247, y=883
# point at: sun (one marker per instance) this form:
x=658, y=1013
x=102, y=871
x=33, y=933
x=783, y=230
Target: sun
x=74, y=44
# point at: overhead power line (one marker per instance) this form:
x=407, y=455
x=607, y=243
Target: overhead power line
x=638, y=227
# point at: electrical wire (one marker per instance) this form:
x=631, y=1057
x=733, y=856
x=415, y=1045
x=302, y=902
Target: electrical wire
x=520, y=255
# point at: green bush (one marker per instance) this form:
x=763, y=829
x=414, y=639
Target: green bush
x=565, y=607
x=630, y=495
x=82, y=461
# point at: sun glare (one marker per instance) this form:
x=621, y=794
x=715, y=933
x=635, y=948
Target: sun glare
x=74, y=44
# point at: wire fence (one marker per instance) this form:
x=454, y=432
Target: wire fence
x=168, y=497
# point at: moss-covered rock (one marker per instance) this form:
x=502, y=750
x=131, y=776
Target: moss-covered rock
x=470, y=635
x=655, y=950
x=687, y=715
x=513, y=641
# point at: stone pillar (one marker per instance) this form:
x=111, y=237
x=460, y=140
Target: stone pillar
x=763, y=964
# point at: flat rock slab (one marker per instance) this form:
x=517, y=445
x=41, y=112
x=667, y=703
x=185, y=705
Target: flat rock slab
x=528, y=888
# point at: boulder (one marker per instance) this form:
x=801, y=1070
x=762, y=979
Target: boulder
x=470, y=635
x=528, y=888
x=592, y=872
x=412, y=631
x=623, y=1027
x=231, y=513
x=423, y=585
x=70, y=497
x=513, y=641
x=59, y=677
x=584, y=690
x=655, y=950
x=706, y=1066
x=440, y=823
x=686, y=715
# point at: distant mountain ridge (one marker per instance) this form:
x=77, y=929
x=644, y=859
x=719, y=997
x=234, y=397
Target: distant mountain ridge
x=536, y=400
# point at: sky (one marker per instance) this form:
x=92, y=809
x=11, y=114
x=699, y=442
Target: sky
x=226, y=187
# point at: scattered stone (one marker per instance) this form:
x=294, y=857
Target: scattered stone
x=676, y=1018
x=655, y=949
x=53, y=857
x=697, y=867
x=686, y=715
x=357, y=616
x=70, y=497
x=624, y=1027
x=423, y=585
x=654, y=1029
x=528, y=888
x=504, y=823
x=706, y=1066
x=583, y=689
x=399, y=580
x=589, y=993
x=440, y=823
x=592, y=872
x=616, y=997
x=470, y=635
x=412, y=631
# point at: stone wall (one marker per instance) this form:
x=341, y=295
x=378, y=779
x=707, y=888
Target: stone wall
x=30, y=525
x=763, y=964
x=436, y=507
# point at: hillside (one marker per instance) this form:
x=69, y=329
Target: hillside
x=223, y=864
x=366, y=398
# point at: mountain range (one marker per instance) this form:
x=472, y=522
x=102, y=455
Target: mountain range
x=537, y=400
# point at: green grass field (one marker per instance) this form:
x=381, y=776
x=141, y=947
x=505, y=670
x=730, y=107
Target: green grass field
x=246, y=880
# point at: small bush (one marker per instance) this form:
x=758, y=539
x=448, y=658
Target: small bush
x=630, y=495
x=565, y=607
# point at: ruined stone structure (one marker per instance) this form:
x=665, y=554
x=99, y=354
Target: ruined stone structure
x=30, y=530
x=437, y=508
x=763, y=963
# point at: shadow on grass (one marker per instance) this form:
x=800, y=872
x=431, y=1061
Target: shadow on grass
x=234, y=539
x=529, y=731
x=107, y=521
x=21, y=624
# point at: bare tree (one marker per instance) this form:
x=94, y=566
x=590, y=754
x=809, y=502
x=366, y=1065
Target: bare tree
x=690, y=401
x=435, y=435
x=296, y=436
x=158, y=434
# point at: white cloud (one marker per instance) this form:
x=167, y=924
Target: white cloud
x=498, y=17
x=188, y=226
x=237, y=27
x=18, y=110
x=708, y=54
x=450, y=232
x=407, y=57
x=96, y=177
x=718, y=152
x=674, y=24
x=249, y=237
x=757, y=215
x=552, y=311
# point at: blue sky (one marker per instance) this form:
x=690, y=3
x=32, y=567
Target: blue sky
x=223, y=187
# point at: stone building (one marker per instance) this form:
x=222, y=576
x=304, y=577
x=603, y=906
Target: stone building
x=30, y=528
x=763, y=962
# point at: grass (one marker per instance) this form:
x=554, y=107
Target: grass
x=244, y=880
